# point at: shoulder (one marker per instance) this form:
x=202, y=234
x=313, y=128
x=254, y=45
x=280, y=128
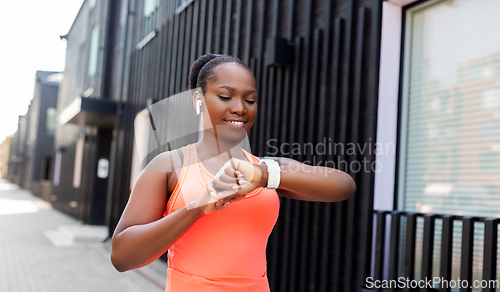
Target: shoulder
x=166, y=162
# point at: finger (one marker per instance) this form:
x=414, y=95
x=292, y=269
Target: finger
x=228, y=178
x=224, y=185
x=211, y=189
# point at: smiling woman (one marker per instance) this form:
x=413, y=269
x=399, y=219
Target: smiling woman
x=214, y=214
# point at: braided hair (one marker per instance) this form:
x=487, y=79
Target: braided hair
x=203, y=69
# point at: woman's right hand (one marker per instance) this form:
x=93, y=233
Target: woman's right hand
x=221, y=190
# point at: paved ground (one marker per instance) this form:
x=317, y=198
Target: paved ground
x=29, y=261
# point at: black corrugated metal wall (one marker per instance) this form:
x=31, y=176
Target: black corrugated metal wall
x=328, y=92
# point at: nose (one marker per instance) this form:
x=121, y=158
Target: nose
x=238, y=107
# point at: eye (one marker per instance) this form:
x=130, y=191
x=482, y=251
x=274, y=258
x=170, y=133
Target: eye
x=224, y=97
x=251, y=101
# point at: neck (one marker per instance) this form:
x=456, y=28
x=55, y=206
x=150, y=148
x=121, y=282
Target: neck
x=211, y=146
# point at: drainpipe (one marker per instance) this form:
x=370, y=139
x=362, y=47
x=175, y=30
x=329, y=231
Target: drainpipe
x=119, y=113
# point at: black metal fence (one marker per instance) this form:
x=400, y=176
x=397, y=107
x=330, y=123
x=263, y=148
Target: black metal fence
x=402, y=248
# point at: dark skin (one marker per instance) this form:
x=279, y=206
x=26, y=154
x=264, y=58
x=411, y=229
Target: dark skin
x=230, y=106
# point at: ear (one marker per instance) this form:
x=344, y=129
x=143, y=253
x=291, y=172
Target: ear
x=196, y=96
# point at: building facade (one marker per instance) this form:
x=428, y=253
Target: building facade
x=387, y=91
x=4, y=156
x=33, y=144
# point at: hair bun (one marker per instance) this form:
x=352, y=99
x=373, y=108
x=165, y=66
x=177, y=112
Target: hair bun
x=196, y=68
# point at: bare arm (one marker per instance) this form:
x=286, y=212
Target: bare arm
x=143, y=234
x=313, y=183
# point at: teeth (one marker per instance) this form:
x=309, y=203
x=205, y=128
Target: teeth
x=236, y=123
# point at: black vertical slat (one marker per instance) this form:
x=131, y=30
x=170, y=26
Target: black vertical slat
x=278, y=101
x=394, y=255
x=354, y=202
x=294, y=252
x=323, y=85
x=163, y=60
x=304, y=100
x=269, y=109
x=218, y=26
x=202, y=31
x=186, y=49
x=262, y=78
x=325, y=249
x=446, y=250
x=291, y=22
x=248, y=31
x=315, y=66
x=409, y=260
x=428, y=248
x=490, y=252
x=286, y=113
x=466, y=258
x=335, y=81
x=210, y=26
x=286, y=208
x=228, y=25
x=379, y=245
x=373, y=23
x=338, y=246
x=276, y=17
x=173, y=61
x=305, y=208
x=315, y=207
x=179, y=77
x=237, y=28
x=194, y=34
x=168, y=61
x=295, y=87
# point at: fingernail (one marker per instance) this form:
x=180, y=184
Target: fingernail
x=236, y=188
x=213, y=194
x=244, y=182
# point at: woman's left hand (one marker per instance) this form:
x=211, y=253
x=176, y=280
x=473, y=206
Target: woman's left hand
x=245, y=175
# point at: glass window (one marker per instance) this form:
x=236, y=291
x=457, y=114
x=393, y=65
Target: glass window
x=50, y=121
x=92, y=4
x=449, y=151
x=150, y=7
x=94, y=51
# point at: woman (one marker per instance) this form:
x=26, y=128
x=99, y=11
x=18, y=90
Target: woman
x=214, y=216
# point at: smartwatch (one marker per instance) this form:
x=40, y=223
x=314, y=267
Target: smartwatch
x=273, y=168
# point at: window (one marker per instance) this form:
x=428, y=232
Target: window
x=449, y=150
x=149, y=19
x=50, y=122
x=150, y=7
x=451, y=103
x=92, y=4
x=94, y=50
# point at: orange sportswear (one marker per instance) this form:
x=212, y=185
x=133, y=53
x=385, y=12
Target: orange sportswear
x=224, y=251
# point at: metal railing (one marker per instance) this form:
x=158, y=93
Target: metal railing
x=402, y=235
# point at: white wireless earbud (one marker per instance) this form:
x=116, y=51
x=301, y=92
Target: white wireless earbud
x=198, y=107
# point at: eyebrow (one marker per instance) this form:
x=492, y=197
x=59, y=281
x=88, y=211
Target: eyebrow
x=234, y=89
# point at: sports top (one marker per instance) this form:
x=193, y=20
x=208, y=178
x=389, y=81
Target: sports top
x=225, y=250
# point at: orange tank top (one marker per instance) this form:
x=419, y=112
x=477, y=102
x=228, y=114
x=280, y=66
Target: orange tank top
x=225, y=250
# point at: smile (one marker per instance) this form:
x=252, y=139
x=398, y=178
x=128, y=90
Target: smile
x=235, y=123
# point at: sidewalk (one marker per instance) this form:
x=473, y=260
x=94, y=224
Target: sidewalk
x=30, y=262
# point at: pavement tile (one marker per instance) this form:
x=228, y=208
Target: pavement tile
x=29, y=261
